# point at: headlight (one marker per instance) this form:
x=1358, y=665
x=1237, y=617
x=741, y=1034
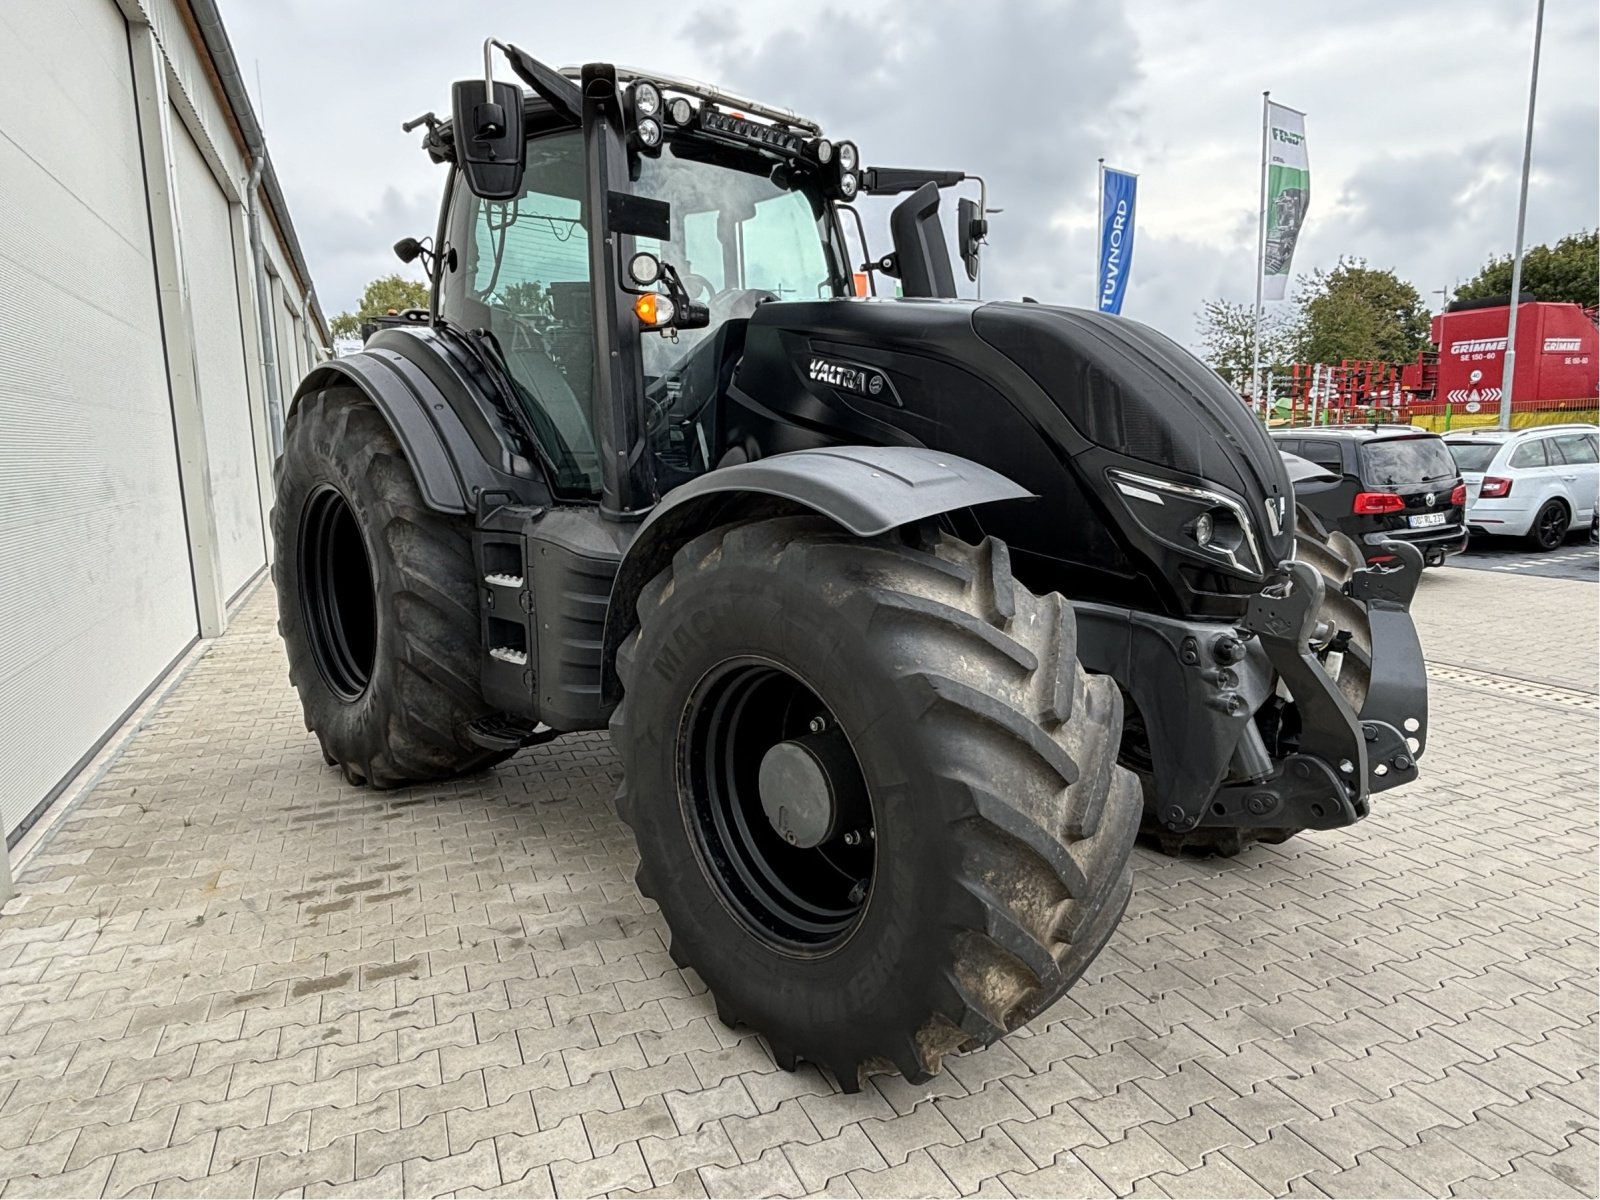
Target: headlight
x=847, y=186
x=644, y=269
x=649, y=133
x=1197, y=521
x=824, y=151
x=654, y=310
x=681, y=111
x=646, y=100
x=848, y=157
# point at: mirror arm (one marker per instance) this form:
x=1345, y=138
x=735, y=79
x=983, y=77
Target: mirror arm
x=891, y=181
x=559, y=92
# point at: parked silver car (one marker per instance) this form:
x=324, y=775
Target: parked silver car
x=1535, y=483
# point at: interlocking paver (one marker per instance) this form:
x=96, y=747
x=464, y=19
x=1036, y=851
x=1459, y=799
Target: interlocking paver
x=768, y=1175
x=239, y=1181
x=69, y=1185
x=671, y=1157
x=927, y=1125
x=253, y=978
x=520, y=1154
x=477, y=1168
x=1066, y=1177
x=819, y=1162
x=623, y=1168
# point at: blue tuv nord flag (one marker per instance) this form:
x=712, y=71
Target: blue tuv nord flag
x=1118, y=190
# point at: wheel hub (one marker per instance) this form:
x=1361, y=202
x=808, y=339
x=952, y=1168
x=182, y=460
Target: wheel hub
x=777, y=804
x=807, y=784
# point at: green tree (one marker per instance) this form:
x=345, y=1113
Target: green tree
x=389, y=292
x=1226, y=336
x=1568, y=270
x=1358, y=312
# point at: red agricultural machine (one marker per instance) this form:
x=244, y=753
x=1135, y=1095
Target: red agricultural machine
x=1457, y=383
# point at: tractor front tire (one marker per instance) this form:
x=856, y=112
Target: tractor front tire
x=376, y=600
x=874, y=794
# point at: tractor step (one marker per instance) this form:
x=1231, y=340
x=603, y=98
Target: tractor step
x=503, y=731
x=543, y=628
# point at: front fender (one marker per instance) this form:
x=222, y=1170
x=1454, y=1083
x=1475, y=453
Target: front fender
x=867, y=490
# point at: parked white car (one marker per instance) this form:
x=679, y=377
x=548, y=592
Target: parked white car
x=1535, y=483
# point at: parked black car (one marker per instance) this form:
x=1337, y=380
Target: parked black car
x=1382, y=482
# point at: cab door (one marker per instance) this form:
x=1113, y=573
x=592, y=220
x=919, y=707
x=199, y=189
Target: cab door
x=520, y=269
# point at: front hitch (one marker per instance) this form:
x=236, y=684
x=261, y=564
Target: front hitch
x=1343, y=756
x=1200, y=689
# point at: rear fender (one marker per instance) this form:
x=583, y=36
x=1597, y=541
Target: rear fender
x=867, y=490
x=452, y=469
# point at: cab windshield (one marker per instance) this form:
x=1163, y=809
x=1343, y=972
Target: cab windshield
x=744, y=231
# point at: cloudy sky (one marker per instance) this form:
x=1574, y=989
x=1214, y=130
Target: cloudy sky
x=1415, y=118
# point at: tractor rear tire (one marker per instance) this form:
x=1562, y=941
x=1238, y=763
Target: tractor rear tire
x=978, y=831
x=377, y=602
x=1336, y=557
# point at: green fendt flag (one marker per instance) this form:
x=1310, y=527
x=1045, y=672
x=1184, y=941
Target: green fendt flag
x=1288, y=195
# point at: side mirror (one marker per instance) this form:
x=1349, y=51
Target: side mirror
x=920, y=249
x=490, y=149
x=971, y=229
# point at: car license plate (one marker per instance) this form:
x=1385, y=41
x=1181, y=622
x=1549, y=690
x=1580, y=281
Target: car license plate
x=1423, y=520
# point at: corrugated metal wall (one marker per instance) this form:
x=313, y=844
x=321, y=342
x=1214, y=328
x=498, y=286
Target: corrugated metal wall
x=96, y=596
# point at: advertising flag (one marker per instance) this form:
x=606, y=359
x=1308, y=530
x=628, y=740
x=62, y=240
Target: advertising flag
x=1117, y=194
x=1288, y=195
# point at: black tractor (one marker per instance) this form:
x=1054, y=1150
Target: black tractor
x=905, y=613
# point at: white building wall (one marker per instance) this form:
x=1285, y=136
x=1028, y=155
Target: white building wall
x=96, y=596
x=134, y=443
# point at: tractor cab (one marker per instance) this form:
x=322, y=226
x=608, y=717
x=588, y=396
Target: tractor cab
x=712, y=205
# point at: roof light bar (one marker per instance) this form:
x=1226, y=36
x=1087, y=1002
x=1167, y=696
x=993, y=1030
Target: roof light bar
x=706, y=91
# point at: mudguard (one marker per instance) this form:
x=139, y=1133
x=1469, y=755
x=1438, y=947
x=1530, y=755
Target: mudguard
x=451, y=465
x=866, y=489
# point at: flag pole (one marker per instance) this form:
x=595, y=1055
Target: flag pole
x=1099, y=228
x=1261, y=265
x=1508, y=377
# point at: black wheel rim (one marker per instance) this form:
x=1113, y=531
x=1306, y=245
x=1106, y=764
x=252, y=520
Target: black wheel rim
x=1552, y=526
x=795, y=899
x=336, y=594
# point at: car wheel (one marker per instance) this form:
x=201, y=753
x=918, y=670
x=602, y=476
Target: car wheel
x=1550, y=526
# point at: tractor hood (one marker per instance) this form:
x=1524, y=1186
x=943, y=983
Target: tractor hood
x=1153, y=476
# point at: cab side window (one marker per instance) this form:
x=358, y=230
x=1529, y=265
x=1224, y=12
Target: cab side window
x=524, y=275
x=1529, y=454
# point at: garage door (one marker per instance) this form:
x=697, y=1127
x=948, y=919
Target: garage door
x=208, y=265
x=96, y=597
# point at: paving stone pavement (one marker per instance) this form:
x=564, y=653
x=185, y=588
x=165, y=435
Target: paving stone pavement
x=228, y=973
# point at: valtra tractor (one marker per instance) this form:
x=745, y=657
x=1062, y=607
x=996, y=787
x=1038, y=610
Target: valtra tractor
x=905, y=614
